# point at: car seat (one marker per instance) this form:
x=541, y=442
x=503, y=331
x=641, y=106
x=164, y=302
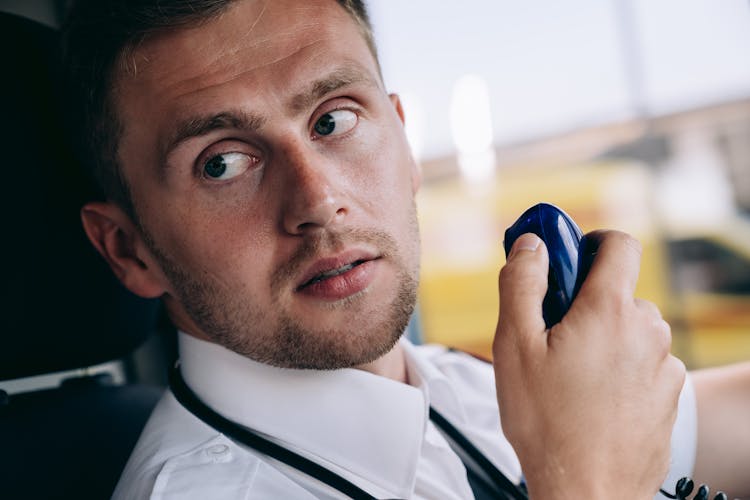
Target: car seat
x=62, y=307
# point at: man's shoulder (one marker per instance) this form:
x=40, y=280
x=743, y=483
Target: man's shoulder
x=215, y=468
x=471, y=379
x=180, y=457
x=459, y=366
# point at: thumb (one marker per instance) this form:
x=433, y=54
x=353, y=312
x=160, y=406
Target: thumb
x=522, y=285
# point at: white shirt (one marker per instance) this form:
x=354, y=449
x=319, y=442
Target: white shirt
x=371, y=430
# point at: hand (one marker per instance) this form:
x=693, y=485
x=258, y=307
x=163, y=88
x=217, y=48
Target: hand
x=588, y=405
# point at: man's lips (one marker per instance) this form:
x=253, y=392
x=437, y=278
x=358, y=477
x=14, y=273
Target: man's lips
x=333, y=272
x=327, y=268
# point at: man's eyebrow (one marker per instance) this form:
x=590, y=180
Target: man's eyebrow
x=339, y=78
x=199, y=125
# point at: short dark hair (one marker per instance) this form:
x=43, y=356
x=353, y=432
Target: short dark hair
x=97, y=39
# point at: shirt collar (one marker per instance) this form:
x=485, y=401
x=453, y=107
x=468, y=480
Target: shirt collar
x=436, y=388
x=369, y=426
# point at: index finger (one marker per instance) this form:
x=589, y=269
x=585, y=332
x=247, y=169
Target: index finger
x=616, y=265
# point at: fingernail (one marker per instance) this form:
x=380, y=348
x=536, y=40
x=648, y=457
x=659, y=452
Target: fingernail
x=528, y=241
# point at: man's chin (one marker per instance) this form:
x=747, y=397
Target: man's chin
x=332, y=349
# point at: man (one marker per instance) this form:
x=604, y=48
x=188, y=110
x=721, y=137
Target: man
x=259, y=182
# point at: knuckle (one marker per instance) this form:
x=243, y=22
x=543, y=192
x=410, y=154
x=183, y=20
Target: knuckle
x=616, y=303
x=516, y=276
x=499, y=341
x=678, y=367
x=506, y=273
x=676, y=373
x=665, y=336
x=627, y=240
x=648, y=307
x=657, y=328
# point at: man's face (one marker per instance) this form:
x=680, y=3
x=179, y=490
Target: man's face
x=273, y=183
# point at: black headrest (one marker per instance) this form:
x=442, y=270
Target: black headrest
x=62, y=307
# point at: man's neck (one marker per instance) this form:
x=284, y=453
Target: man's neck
x=392, y=365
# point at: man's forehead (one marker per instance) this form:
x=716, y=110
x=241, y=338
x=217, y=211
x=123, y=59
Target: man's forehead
x=267, y=27
x=249, y=35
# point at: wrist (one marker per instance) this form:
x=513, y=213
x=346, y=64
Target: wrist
x=554, y=480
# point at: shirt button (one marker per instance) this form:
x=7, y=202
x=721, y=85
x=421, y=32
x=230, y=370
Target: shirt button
x=219, y=453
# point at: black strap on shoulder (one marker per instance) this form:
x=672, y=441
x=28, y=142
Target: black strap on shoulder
x=190, y=400
x=486, y=480
x=493, y=482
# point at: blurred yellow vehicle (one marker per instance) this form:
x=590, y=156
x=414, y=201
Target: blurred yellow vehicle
x=710, y=277
x=699, y=277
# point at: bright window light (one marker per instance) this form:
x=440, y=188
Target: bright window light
x=471, y=126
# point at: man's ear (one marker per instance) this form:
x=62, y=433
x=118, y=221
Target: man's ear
x=416, y=174
x=120, y=242
x=396, y=101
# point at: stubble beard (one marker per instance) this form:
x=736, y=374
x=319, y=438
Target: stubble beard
x=232, y=320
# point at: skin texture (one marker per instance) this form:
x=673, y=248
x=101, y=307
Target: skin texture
x=589, y=404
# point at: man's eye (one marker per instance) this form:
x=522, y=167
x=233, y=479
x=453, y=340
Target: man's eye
x=336, y=122
x=225, y=166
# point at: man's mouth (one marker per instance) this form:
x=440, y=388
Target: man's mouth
x=335, y=277
x=333, y=272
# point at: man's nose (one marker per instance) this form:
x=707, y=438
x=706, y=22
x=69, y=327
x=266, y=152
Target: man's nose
x=312, y=195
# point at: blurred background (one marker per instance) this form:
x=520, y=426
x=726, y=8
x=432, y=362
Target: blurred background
x=628, y=114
